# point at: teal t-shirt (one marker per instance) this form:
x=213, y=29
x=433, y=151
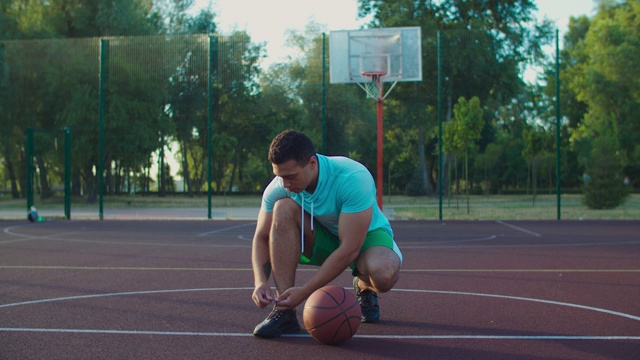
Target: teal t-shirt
x=344, y=185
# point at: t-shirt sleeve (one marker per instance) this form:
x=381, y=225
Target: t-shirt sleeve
x=358, y=192
x=274, y=192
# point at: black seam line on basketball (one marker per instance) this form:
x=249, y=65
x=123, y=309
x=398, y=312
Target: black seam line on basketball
x=337, y=304
x=328, y=321
x=344, y=298
x=331, y=307
x=335, y=333
x=346, y=320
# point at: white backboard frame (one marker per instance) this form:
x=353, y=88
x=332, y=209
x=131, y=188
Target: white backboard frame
x=395, y=51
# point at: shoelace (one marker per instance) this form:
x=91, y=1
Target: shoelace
x=275, y=314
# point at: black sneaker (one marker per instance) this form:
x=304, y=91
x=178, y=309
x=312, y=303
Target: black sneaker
x=368, y=301
x=278, y=323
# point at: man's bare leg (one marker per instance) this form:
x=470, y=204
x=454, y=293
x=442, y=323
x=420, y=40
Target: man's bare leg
x=284, y=243
x=379, y=269
x=284, y=252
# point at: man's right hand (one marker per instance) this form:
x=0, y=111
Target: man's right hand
x=262, y=296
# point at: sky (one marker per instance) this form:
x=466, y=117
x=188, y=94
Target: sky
x=268, y=20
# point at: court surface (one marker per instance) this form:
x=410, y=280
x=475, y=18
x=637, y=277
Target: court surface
x=85, y=289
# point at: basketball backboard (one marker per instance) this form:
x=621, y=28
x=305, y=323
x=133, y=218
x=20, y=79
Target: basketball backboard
x=393, y=53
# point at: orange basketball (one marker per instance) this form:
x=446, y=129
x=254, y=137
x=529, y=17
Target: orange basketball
x=332, y=315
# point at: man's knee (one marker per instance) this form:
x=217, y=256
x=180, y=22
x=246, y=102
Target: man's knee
x=286, y=209
x=384, y=278
x=285, y=224
x=382, y=267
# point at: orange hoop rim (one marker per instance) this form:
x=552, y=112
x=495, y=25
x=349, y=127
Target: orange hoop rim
x=373, y=74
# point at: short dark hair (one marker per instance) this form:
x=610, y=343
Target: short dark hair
x=291, y=144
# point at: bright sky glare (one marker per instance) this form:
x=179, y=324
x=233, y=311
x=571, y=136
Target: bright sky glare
x=268, y=20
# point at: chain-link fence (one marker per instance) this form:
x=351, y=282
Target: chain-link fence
x=179, y=126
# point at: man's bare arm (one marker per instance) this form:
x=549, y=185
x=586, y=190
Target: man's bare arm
x=352, y=229
x=260, y=260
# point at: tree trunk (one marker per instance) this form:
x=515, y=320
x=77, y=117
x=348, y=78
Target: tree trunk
x=426, y=184
x=90, y=183
x=534, y=176
x=15, y=194
x=466, y=175
x=161, y=175
x=186, y=174
x=44, y=179
x=76, y=184
x=233, y=171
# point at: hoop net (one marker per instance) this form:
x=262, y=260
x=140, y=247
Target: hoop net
x=374, y=87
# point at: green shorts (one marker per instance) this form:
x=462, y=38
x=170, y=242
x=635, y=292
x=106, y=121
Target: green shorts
x=326, y=243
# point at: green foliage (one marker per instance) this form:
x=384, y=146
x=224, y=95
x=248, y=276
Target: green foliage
x=537, y=149
x=484, y=45
x=159, y=87
x=605, y=188
x=462, y=132
x=605, y=75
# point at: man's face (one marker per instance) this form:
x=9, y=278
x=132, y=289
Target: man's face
x=296, y=178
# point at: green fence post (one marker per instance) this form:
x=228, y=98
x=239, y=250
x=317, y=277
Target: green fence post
x=1, y=64
x=104, y=78
x=67, y=172
x=211, y=99
x=558, y=124
x=29, y=168
x=324, y=94
x=440, y=157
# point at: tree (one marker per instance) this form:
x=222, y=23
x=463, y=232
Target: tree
x=487, y=164
x=237, y=122
x=604, y=164
x=484, y=45
x=606, y=77
x=536, y=144
x=461, y=133
x=55, y=81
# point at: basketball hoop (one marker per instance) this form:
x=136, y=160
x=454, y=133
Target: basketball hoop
x=371, y=57
x=375, y=88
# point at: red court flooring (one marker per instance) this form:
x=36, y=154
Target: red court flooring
x=182, y=290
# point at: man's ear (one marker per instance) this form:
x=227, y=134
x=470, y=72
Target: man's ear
x=313, y=161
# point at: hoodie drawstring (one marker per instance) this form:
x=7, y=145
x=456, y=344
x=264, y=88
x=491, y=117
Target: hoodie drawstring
x=302, y=222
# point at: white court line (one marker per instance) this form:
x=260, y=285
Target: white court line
x=584, y=307
x=225, y=229
x=121, y=294
x=590, y=308
x=486, y=238
x=23, y=237
x=389, y=336
x=548, y=245
x=518, y=228
x=51, y=237
x=109, y=242
x=303, y=335
x=9, y=231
